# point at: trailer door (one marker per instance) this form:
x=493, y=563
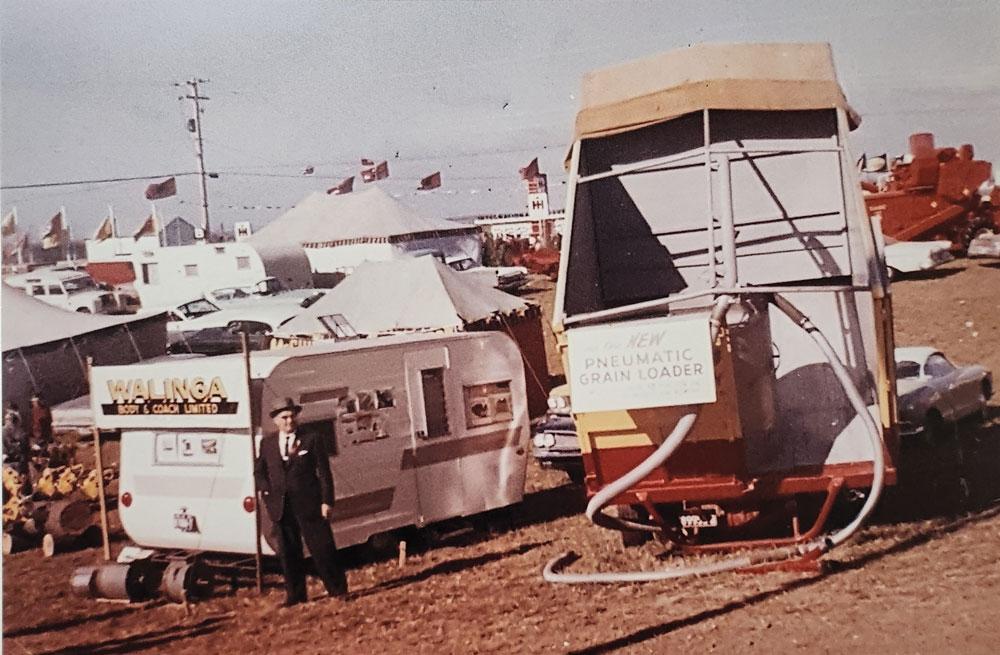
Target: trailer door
x=435, y=452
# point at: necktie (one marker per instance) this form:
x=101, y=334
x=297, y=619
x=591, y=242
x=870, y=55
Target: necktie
x=286, y=445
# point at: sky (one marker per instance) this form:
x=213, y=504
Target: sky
x=474, y=90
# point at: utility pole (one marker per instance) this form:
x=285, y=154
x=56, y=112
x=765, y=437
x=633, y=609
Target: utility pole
x=196, y=98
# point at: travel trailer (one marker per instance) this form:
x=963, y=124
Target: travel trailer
x=418, y=428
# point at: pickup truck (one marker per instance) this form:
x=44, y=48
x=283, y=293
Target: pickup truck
x=71, y=290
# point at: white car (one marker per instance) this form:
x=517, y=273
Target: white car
x=934, y=394
x=985, y=244
x=914, y=256
x=505, y=278
x=191, y=317
x=71, y=290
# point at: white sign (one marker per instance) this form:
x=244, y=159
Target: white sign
x=658, y=362
x=188, y=393
x=242, y=230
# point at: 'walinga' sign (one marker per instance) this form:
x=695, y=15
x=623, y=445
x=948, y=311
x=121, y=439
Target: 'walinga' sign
x=178, y=395
x=657, y=362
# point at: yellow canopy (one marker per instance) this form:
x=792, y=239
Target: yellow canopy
x=750, y=76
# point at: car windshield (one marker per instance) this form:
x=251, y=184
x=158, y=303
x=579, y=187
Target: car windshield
x=937, y=366
x=229, y=294
x=76, y=284
x=197, y=308
x=463, y=264
x=907, y=369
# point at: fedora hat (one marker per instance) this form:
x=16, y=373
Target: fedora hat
x=284, y=405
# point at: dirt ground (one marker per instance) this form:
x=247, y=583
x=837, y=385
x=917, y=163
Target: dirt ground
x=924, y=577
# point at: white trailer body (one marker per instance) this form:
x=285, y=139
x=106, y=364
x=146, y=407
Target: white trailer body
x=419, y=428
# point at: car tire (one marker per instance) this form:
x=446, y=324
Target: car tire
x=936, y=429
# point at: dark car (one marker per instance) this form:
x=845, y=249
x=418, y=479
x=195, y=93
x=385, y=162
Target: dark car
x=555, y=444
x=224, y=340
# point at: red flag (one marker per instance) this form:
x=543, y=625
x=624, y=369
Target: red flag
x=54, y=237
x=367, y=175
x=529, y=171
x=345, y=186
x=382, y=170
x=164, y=189
x=432, y=181
x=367, y=162
x=9, y=223
x=106, y=230
x=148, y=227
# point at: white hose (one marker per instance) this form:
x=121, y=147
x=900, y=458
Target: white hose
x=551, y=572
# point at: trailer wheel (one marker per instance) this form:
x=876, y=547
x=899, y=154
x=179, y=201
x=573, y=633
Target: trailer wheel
x=633, y=538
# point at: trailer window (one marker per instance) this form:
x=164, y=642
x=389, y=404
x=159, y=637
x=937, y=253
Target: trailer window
x=432, y=381
x=486, y=404
x=385, y=398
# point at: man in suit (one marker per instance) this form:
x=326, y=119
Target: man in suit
x=293, y=478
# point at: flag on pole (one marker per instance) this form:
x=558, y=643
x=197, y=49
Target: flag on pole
x=367, y=162
x=10, y=223
x=164, y=189
x=53, y=238
x=382, y=170
x=105, y=230
x=308, y=170
x=346, y=186
x=148, y=228
x=529, y=171
x=368, y=175
x=432, y=181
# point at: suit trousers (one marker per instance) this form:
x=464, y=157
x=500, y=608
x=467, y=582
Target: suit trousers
x=290, y=531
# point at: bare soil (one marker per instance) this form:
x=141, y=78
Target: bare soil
x=923, y=578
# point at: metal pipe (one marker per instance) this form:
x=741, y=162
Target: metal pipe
x=664, y=303
x=727, y=224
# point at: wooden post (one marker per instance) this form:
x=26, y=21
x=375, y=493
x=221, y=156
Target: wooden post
x=253, y=459
x=99, y=464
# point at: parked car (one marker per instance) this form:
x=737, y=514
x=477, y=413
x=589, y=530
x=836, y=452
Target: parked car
x=269, y=287
x=189, y=318
x=985, y=244
x=224, y=340
x=505, y=278
x=71, y=290
x=913, y=256
x=934, y=394
x=555, y=443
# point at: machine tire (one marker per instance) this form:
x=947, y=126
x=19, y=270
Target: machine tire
x=976, y=226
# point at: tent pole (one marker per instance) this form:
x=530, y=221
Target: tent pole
x=27, y=368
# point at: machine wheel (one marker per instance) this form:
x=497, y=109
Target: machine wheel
x=633, y=538
x=978, y=225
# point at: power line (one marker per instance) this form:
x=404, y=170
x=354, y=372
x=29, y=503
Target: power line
x=108, y=180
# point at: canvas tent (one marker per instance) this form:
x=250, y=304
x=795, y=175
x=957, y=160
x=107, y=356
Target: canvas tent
x=341, y=231
x=46, y=348
x=422, y=294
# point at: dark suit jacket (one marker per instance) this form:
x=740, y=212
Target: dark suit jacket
x=305, y=479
